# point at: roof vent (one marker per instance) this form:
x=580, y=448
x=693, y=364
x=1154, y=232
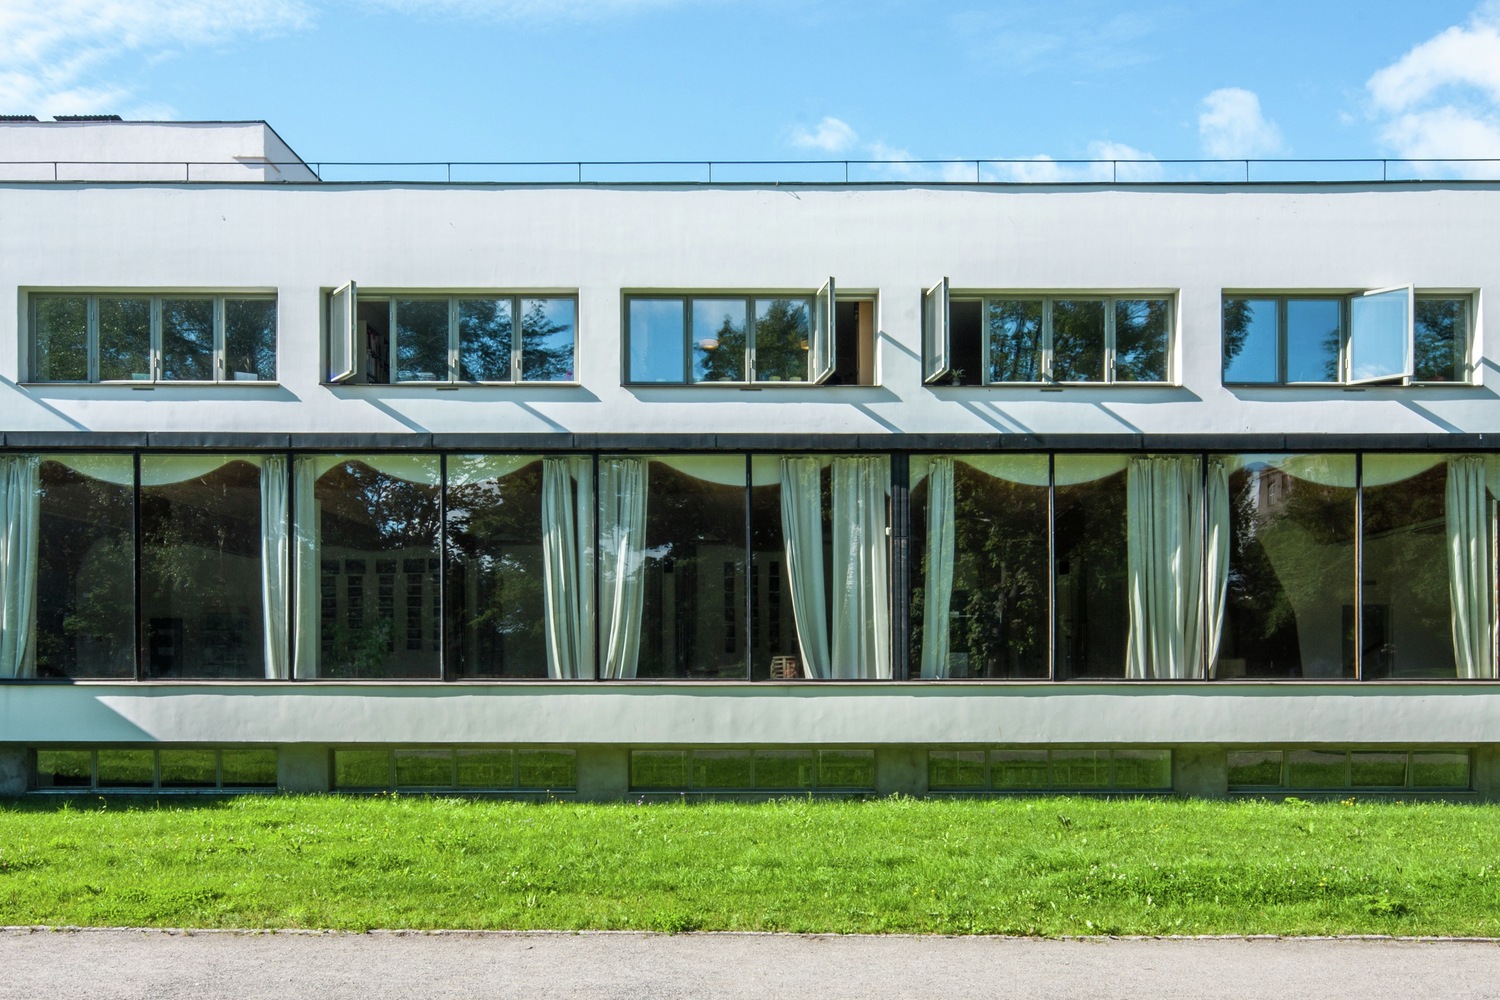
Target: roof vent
x=87, y=118
x=17, y=118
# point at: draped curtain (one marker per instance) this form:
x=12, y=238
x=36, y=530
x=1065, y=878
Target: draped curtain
x=861, y=566
x=802, y=529
x=622, y=562
x=20, y=506
x=568, y=566
x=275, y=564
x=937, y=586
x=1164, y=532
x=1470, y=566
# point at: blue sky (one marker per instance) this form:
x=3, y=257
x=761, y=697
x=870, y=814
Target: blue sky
x=768, y=79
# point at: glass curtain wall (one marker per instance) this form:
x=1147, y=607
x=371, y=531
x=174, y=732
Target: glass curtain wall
x=1091, y=562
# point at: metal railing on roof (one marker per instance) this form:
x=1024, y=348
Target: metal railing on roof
x=851, y=171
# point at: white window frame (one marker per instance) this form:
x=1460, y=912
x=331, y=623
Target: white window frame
x=91, y=296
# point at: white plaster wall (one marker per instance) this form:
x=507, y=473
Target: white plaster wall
x=304, y=239
x=738, y=714
x=147, y=151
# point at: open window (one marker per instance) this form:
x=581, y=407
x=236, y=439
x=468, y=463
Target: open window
x=386, y=338
x=935, y=363
x=1380, y=335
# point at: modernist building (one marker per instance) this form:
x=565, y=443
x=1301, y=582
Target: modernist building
x=600, y=489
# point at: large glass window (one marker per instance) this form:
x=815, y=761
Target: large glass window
x=85, y=597
x=367, y=581
x=142, y=338
x=1442, y=338
x=201, y=576
x=1091, y=562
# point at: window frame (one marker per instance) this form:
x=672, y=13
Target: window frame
x=937, y=331
x=343, y=356
x=155, y=360
x=1346, y=299
x=822, y=313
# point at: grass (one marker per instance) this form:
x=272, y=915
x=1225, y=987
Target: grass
x=1044, y=866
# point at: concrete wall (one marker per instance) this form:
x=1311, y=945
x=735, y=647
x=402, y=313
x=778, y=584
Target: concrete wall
x=147, y=151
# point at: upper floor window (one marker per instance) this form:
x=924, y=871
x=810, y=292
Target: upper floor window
x=384, y=338
x=121, y=337
x=738, y=338
x=1387, y=335
x=1044, y=339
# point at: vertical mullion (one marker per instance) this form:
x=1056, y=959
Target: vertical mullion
x=1359, y=566
x=751, y=373
x=156, y=363
x=515, y=338
x=985, y=346
x=1047, y=375
x=135, y=517
x=900, y=575
x=445, y=670
x=1110, y=333
x=91, y=334
x=392, y=345
x=687, y=340
x=221, y=333
x=1052, y=566
x=453, y=344
x=746, y=628
x=1281, y=368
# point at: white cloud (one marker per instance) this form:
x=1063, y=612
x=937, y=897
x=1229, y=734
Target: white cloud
x=527, y=10
x=1442, y=98
x=1231, y=126
x=830, y=135
x=56, y=55
x=1128, y=164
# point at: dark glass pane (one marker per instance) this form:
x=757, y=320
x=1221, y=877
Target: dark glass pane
x=719, y=340
x=64, y=769
x=187, y=340
x=1289, y=605
x=846, y=769
x=250, y=340
x=189, y=768
x=1141, y=334
x=85, y=597
x=1015, y=340
x=693, y=617
x=1442, y=340
x=1314, y=329
x=422, y=340
x=1092, y=606
x=547, y=332
x=664, y=769
x=781, y=340
x=484, y=340
x=378, y=549
x=496, y=582
x=657, y=339
x=1408, y=616
x=247, y=768
x=1078, y=340
x=1254, y=768
x=1252, y=347
x=60, y=337
x=361, y=769
x=1142, y=770
x=1317, y=769
x=127, y=768
x=201, y=568
x=124, y=339
x=1377, y=769
x=997, y=612
x=965, y=343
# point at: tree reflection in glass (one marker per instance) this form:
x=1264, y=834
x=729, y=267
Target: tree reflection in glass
x=422, y=340
x=719, y=340
x=1408, y=616
x=781, y=340
x=1092, y=562
x=1078, y=340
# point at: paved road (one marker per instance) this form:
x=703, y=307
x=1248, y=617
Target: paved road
x=108, y=964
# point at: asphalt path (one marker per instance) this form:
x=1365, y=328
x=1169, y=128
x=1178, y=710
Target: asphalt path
x=166, y=965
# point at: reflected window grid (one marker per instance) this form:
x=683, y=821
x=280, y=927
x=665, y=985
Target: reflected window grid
x=476, y=339
x=1076, y=339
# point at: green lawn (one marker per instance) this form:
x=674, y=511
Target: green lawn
x=1013, y=866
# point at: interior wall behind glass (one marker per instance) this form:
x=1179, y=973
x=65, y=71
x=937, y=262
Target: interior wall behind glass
x=201, y=567
x=378, y=558
x=496, y=607
x=1091, y=566
x=693, y=609
x=1289, y=607
x=773, y=623
x=85, y=596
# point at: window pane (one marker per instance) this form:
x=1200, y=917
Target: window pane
x=1315, y=769
x=1018, y=769
x=997, y=618
x=1142, y=769
x=1439, y=769
x=189, y=768
x=361, y=769
x=1252, y=352
x=1442, y=340
x=85, y=596
x=484, y=338
x=187, y=340
x=250, y=340
x=1141, y=340
x=665, y=769
x=1378, y=327
x=1377, y=769
x=60, y=332
x=846, y=769
x=124, y=339
x=1078, y=340
x=718, y=340
x=721, y=769
x=200, y=567
x=1408, y=617
x=496, y=580
x=486, y=769
x=1289, y=607
x=781, y=340
x=1080, y=768
x=1092, y=607
x=965, y=343
x=547, y=327
x=424, y=768
x=1015, y=328
x=543, y=769
x=64, y=769
x=773, y=625
x=378, y=553
x=657, y=339
x=127, y=768
x=955, y=769
x=1314, y=328
x=1254, y=768
x=693, y=614
x=247, y=768
x=784, y=769
x=422, y=340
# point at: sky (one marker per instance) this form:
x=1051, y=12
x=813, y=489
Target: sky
x=1039, y=82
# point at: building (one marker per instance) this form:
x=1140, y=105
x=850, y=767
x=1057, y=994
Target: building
x=607, y=489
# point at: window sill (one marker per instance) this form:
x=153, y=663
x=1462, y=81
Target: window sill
x=143, y=384
x=1352, y=387
x=451, y=386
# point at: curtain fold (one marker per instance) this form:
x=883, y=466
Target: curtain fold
x=308, y=578
x=1216, y=559
x=1470, y=570
x=21, y=507
x=622, y=562
x=1164, y=529
x=861, y=646
x=275, y=555
x=802, y=529
x=937, y=590
x=568, y=566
